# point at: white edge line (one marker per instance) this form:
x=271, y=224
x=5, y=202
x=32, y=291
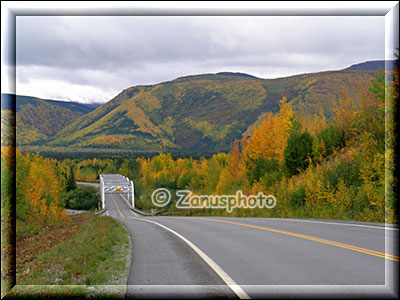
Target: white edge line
x=221, y=273
x=334, y=223
x=311, y=221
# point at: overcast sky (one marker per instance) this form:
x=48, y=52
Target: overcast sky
x=92, y=59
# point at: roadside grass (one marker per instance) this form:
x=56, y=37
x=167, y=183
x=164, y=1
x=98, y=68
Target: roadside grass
x=67, y=291
x=24, y=229
x=96, y=256
x=32, y=243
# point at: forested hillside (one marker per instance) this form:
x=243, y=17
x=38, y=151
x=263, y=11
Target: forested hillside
x=198, y=113
x=205, y=113
x=37, y=119
x=316, y=168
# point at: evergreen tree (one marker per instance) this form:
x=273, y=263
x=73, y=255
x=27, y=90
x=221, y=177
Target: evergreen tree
x=71, y=183
x=298, y=151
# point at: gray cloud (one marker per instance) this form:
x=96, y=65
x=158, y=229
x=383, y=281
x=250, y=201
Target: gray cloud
x=97, y=57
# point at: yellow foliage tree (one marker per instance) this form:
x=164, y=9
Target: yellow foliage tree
x=270, y=138
x=315, y=123
x=344, y=112
x=43, y=191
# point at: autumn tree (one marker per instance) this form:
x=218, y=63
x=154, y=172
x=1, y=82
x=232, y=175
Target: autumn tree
x=314, y=123
x=231, y=178
x=270, y=138
x=344, y=114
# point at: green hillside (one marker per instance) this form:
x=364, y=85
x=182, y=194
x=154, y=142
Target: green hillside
x=7, y=127
x=38, y=119
x=203, y=112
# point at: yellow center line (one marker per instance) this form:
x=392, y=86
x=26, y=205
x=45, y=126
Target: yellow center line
x=311, y=238
x=116, y=205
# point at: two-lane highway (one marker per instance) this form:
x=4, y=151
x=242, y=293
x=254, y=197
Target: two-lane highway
x=256, y=257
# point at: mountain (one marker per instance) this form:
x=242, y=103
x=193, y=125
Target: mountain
x=37, y=119
x=203, y=112
x=7, y=127
x=372, y=65
x=236, y=74
x=196, y=113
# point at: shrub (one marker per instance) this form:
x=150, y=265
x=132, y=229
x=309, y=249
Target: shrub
x=84, y=198
x=260, y=168
x=347, y=170
x=328, y=140
x=297, y=198
x=271, y=177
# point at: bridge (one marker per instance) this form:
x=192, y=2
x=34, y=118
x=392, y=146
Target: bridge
x=116, y=184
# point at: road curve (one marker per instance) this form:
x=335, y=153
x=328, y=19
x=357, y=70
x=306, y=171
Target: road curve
x=257, y=257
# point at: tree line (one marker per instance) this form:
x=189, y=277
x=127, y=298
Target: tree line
x=316, y=168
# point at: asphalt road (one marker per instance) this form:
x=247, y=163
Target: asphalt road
x=94, y=184
x=257, y=257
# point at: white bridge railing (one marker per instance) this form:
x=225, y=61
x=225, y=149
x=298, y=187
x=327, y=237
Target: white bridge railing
x=116, y=184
